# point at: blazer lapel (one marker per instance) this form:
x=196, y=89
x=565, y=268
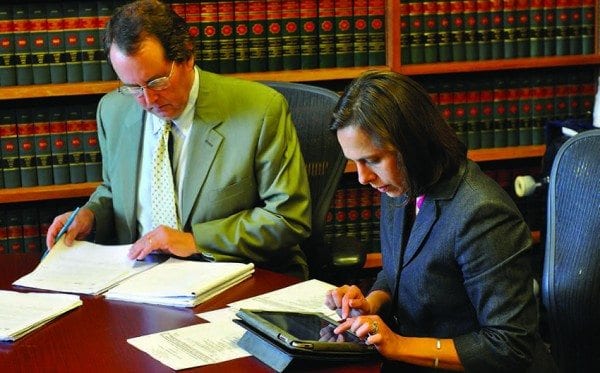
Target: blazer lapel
x=421, y=228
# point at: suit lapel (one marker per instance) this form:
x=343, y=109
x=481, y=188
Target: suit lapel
x=421, y=228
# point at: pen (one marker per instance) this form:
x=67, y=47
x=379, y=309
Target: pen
x=64, y=229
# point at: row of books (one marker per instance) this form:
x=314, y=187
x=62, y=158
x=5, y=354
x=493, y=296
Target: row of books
x=49, y=145
x=471, y=30
x=260, y=35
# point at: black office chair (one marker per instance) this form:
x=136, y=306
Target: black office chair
x=571, y=274
x=311, y=108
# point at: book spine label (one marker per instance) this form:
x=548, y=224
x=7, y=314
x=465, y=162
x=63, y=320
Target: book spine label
x=26, y=141
x=497, y=29
x=457, y=30
x=89, y=42
x=8, y=75
x=309, y=36
x=274, y=36
x=344, y=30
x=484, y=26
x=550, y=27
x=536, y=31
x=71, y=41
x=38, y=43
x=240, y=19
x=444, y=23
x=326, y=33
x=22, y=53
x=9, y=148
x=91, y=147
x=226, y=37
x=376, y=9
x=290, y=13
x=257, y=42
x=58, y=143
x=56, y=43
x=75, y=145
x=430, y=31
x=522, y=25
x=470, y=27
x=105, y=10
x=360, y=43
x=43, y=154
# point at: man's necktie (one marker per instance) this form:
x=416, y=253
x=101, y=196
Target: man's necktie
x=164, y=209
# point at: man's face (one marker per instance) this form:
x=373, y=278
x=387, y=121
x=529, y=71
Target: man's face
x=148, y=64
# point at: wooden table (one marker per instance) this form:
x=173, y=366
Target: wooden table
x=93, y=337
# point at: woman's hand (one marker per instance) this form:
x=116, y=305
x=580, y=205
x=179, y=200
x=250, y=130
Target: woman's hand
x=349, y=301
x=375, y=332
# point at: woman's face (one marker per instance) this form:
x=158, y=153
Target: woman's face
x=376, y=166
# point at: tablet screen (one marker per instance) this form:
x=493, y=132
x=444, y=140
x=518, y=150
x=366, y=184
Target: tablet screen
x=306, y=327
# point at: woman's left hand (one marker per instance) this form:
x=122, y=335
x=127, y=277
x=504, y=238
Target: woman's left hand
x=375, y=332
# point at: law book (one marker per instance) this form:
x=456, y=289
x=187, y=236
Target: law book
x=22, y=50
x=500, y=111
x=240, y=21
x=38, y=43
x=537, y=112
x=309, y=35
x=430, y=31
x=445, y=101
x=75, y=144
x=290, y=37
x=14, y=229
x=43, y=153
x=360, y=43
x=58, y=145
x=344, y=31
x=548, y=90
x=574, y=10
x=484, y=26
x=459, y=107
x=550, y=31
x=91, y=147
x=575, y=82
x=352, y=213
x=31, y=231
x=23, y=313
x=72, y=55
x=226, y=36
x=257, y=40
x=457, y=30
x=376, y=32
x=512, y=111
x=8, y=75
x=3, y=234
x=190, y=11
x=473, y=115
x=365, y=218
x=416, y=36
x=486, y=97
x=444, y=37
x=536, y=31
x=525, y=109
x=561, y=97
x=497, y=29
x=46, y=214
x=56, y=42
x=588, y=17
x=326, y=20
x=89, y=41
x=404, y=9
x=26, y=142
x=274, y=35
x=470, y=26
x=376, y=213
x=509, y=34
x=105, y=11
x=181, y=283
x=588, y=92
x=9, y=148
x=523, y=24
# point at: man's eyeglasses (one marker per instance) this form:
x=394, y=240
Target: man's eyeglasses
x=157, y=84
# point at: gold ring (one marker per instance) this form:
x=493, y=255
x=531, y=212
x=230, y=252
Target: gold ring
x=150, y=241
x=374, y=329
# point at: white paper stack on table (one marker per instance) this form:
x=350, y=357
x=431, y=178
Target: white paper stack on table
x=22, y=313
x=181, y=283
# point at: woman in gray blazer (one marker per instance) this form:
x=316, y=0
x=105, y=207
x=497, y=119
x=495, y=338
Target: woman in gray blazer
x=455, y=291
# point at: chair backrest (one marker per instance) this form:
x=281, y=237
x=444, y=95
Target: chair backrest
x=571, y=274
x=311, y=108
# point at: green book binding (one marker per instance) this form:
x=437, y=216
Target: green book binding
x=457, y=30
x=459, y=107
x=430, y=31
x=416, y=36
x=290, y=13
x=486, y=97
x=58, y=144
x=274, y=36
x=574, y=26
x=31, y=230
x=525, y=109
x=404, y=32
x=43, y=153
x=26, y=141
x=72, y=53
x=91, y=147
x=470, y=25
x=473, y=116
x=537, y=112
x=588, y=92
x=257, y=40
x=550, y=27
x=376, y=32
x=588, y=14
x=561, y=97
x=89, y=41
x=9, y=149
x=512, y=111
x=484, y=26
x=445, y=101
x=548, y=96
x=500, y=111
x=22, y=51
x=344, y=32
x=497, y=29
x=226, y=37
x=38, y=43
x=240, y=19
x=326, y=33
x=360, y=38
x=14, y=230
x=209, y=42
x=75, y=144
x=536, y=31
x=8, y=75
x=56, y=43
x=509, y=33
x=105, y=11
x=444, y=37
x=191, y=14
x=523, y=24
x=309, y=34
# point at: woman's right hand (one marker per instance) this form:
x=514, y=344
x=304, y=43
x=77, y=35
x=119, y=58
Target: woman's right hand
x=349, y=301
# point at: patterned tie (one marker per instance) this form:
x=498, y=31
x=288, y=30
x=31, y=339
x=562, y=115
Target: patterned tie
x=164, y=210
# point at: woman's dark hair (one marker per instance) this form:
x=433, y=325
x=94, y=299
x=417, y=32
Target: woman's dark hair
x=134, y=22
x=396, y=112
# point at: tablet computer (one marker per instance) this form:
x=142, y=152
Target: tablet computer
x=307, y=332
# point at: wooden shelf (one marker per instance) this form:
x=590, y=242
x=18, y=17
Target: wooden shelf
x=490, y=154
x=48, y=192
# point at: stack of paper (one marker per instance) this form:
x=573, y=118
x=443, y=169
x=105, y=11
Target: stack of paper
x=84, y=268
x=21, y=313
x=181, y=283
